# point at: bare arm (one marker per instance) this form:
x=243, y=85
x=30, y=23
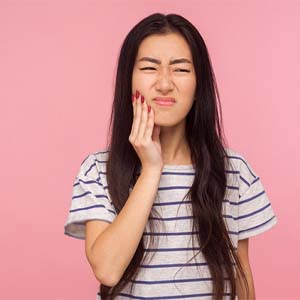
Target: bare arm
x=114, y=248
x=110, y=248
x=244, y=258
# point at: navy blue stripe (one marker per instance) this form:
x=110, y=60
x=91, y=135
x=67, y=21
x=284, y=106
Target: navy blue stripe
x=166, y=203
x=252, y=197
x=256, y=179
x=253, y=213
x=191, y=173
x=171, y=249
x=162, y=266
x=245, y=181
x=172, y=203
x=101, y=161
x=257, y=226
x=247, y=215
x=91, y=166
x=232, y=171
x=239, y=158
x=229, y=217
x=159, y=188
x=176, y=187
x=81, y=195
x=251, y=228
x=87, y=182
x=170, y=233
x=173, y=281
x=187, y=202
x=89, y=169
x=232, y=202
x=232, y=187
x=183, y=172
x=228, y=156
x=96, y=196
x=233, y=232
x=170, y=297
x=178, y=218
x=87, y=193
x=224, y=216
x=85, y=208
x=171, y=218
x=102, y=151
x=167, y=219
x=90, y=207
x=190, y=201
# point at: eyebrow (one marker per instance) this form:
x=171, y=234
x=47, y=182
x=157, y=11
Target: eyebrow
x=157, y=61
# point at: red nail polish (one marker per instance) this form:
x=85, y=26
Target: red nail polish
x=132, y=98
x=142, y=99
x=149, y=108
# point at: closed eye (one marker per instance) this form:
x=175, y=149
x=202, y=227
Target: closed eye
x=148, y=68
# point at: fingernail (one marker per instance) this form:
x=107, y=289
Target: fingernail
x=132, y=98
x=142, y=99
x=149, y=108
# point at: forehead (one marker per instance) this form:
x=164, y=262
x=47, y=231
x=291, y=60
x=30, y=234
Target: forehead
x=169, y=46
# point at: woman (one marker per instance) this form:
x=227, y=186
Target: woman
x=166, y=210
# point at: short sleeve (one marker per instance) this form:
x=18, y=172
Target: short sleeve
x=89, y=199
x=255, y=211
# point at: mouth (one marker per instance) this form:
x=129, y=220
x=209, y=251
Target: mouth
x=164, y=101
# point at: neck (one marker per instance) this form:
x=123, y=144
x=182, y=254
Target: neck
x=175, y=149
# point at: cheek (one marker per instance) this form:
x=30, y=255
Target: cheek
x=185, y=106
x=141, y=82
x=134, y=80
x=189, y=86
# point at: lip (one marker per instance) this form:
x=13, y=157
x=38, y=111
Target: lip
x=164, y=101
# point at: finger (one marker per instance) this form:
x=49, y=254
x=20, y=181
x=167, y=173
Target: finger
x=150, y=125
x=133, y=103
x=137, y=118
x=143, y=122
x=134, y=109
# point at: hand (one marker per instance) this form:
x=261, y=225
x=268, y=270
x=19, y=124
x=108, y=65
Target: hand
x=144, y=135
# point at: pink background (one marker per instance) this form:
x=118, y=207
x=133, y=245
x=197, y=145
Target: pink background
x=58, y=62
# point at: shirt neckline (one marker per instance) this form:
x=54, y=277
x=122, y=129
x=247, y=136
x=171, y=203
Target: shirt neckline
x=178, y=167
x=168, y=167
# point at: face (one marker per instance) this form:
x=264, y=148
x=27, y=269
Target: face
x=159, y=78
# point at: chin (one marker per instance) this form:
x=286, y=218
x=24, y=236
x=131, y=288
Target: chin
x=165, y=123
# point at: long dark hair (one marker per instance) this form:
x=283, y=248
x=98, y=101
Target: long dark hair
x=206, y=140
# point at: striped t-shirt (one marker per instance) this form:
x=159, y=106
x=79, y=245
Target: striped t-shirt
x=247, y=212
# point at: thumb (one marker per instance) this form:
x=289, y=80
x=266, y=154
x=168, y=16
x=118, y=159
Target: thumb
x=155, y=133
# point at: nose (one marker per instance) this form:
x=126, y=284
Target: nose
x=164, y=81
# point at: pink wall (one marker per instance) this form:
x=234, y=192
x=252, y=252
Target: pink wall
x=58, y=61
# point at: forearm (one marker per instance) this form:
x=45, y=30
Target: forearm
x=241, y=290
x=114, y=248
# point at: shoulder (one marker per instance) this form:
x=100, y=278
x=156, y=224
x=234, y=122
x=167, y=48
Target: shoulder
x=246, y=175
x=240, y=162
x=94, y=163
x=234, y=155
